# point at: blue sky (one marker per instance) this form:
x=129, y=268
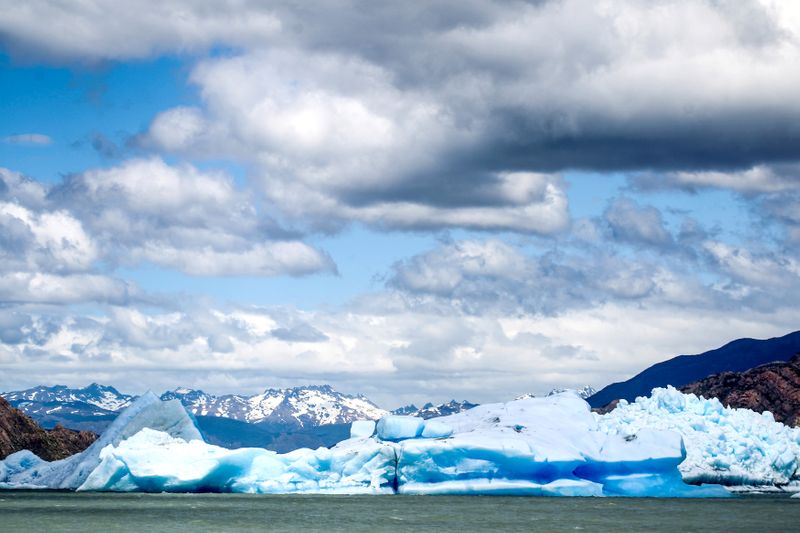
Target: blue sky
x=459, y=200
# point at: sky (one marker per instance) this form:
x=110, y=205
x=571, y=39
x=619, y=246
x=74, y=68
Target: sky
x=415, y=201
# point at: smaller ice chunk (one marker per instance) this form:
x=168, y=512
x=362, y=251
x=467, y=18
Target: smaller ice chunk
x=394, y=427
x=361, y=429
x=436, y=430
x=18, y=462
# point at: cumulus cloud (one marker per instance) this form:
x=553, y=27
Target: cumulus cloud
x=335, y=140
x=486, y=94
x=494, y=278
x=57, y=244
x=46, y=254
x=183, y=218
x=688, y=85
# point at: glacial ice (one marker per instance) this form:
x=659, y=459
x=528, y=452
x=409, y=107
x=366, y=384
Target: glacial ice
x=533, y=446
x=543, y=446
x=154, y=461
x=362, y=428
x=395, y=427
x=723, y=445
x=145, y=412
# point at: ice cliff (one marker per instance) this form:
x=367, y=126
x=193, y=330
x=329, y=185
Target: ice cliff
x=723, y=445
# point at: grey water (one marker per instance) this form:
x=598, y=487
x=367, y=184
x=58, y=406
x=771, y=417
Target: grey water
x=87, y=512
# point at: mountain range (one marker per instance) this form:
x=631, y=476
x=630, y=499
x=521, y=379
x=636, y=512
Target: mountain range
x=310, y=406
x=736, y=356
x=430, y=411
x=278, y=419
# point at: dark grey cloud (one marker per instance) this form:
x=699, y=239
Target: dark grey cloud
x=416, y=120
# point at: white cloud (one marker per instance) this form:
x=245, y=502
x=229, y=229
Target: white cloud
x=53, y=241
x=261, y=259
x=180, y=217
x=335, y=141
x=765, y=271
x=758, y=179
x=395, y=355
x=27, y=287
x=15, y=187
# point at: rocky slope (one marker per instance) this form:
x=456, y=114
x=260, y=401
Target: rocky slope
x=773, y=387
x=20, y=432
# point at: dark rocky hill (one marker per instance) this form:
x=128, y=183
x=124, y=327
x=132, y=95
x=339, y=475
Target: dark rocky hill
x=773, y=387
x=19, y=432
x=736, y=356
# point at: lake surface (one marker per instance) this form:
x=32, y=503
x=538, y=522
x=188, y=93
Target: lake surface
x=86, y=512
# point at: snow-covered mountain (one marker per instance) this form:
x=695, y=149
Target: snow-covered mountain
x=430, y=411
x=584, y=393
x=308, y=406
x=102, y=396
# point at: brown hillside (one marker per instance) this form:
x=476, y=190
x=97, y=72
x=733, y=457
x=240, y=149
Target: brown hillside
x=774, y=387
x=20, y=432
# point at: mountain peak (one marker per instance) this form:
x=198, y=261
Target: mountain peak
x=105, y=397
x=429, y=410
x=307, y=405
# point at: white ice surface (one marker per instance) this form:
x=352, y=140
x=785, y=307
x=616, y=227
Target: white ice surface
x=541, y=446
x=395, y=427
x=535, y=446
x=723, y=445
x=147, y=411
x=154, y=461
x=362, y=428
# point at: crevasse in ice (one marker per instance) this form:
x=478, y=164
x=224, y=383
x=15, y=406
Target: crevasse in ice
x=723, y=445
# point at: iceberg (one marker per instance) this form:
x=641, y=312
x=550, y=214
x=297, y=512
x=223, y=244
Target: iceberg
x=543, y=446
x=153, y=461
x=148, y=411
x=723, y=445
x=551, y=446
